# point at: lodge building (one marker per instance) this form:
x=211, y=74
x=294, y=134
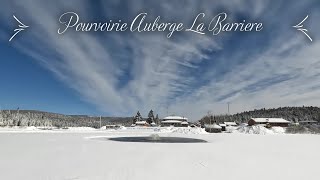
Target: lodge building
x=269, y=122
x=176, y=121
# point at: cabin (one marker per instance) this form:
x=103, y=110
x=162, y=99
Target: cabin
x=223, y=126
x=227, y=125
x=213, y=128
x=176, y=121
x=142, y=123
x=231, y=124
x=269, y=122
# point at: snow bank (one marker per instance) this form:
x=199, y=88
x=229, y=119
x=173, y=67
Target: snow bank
x=31, y=128
x=80, y=129
x=19, y=129
x=180, y=130
x=114, y=128
x=230, y=129
x=260, y=130
x=184, y=130
x=279, y=130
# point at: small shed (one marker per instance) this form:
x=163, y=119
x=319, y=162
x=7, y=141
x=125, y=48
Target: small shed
x=223, y=127
x=142, y=123
x=184, y=124
x=213, y=128
x=231, y=123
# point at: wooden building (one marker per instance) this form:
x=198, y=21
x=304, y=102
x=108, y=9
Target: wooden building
x=176, y=121
x=223, y=127
x=213, y=128
x=142, y=123
x=231, y=123
x=269, y=122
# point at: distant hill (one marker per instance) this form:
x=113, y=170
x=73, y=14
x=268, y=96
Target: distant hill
x=293, y=114
x=41, y=118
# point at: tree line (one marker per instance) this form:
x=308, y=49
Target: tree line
x=293, y=114
x=46, y=119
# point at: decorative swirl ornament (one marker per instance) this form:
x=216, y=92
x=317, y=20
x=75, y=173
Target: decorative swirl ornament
x=21, y=26
x=302, y=29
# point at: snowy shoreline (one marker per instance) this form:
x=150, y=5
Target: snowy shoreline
x=255, y=130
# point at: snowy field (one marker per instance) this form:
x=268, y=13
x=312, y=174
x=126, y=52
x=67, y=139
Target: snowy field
x=81, y=154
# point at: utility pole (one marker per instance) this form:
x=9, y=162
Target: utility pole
x=100, y=122
x=167, y=111
x=228, y=107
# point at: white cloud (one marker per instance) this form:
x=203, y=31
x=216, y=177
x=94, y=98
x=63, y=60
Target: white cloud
x=159, y=68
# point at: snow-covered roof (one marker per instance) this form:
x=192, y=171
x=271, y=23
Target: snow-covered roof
x=171, y=121
x=184, y=123
x=230, y=123
x=141, y=122
x=176, y=118
x=222, y=125
x=270, y=120
x=213, y=126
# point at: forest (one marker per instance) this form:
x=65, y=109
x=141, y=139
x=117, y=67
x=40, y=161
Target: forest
x=47, y=119
x=293, y=114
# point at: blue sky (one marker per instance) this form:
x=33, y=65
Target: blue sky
x=116, y=74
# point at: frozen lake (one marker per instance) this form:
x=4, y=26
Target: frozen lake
x=82, y=156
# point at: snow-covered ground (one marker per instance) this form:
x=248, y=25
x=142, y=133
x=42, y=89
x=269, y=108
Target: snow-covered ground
x=81, y=154
x=259, y=130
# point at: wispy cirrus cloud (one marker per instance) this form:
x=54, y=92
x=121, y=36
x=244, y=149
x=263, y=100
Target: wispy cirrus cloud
x=189, y=74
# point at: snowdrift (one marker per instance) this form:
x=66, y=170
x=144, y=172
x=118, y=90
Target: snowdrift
x=177, y=130
x=184, y=130
x=260, y=130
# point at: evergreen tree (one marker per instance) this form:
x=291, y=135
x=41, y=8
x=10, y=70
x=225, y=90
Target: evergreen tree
x=150, y=117
x=136, y=118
